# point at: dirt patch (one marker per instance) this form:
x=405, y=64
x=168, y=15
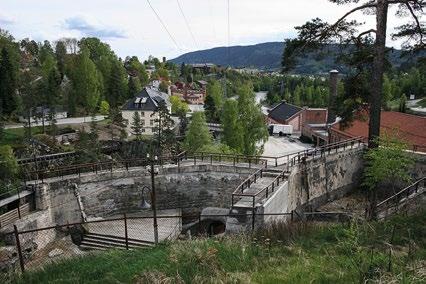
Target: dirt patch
x=354, y=203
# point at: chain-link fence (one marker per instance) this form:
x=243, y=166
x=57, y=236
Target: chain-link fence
x=31, y=249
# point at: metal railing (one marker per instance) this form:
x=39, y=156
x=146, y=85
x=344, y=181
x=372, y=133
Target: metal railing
x=236, y=196
x=394, y=200
x=220, y=157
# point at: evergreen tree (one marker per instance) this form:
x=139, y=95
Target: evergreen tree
x=60, y=53
x=136, y=125
x=198, y=134
x=117, y=90
x=164, y=135
x=8, y=84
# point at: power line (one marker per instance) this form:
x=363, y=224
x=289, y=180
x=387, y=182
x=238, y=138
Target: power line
x=162, y=23
x=187, y=24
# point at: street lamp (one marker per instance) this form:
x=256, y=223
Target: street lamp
x=152, y=171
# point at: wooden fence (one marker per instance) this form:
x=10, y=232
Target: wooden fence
x=15, y=214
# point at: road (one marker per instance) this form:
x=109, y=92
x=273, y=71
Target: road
x=71, y=120
x=279, y=146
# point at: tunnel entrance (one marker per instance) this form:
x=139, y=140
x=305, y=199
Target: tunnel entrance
x=216, y=228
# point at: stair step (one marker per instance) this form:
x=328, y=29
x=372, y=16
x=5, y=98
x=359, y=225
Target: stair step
x=118, y=239
x=108, y=243
x=92, y=245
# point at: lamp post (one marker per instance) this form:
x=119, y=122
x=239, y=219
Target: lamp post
x=152, y=171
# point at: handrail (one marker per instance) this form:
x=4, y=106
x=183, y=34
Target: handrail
x=405, y=192
x=248, y=180
x=293, y=162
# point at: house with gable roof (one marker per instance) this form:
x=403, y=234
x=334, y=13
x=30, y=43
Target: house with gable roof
x=146, y=103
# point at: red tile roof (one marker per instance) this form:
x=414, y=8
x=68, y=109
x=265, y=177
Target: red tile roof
x=411, y=128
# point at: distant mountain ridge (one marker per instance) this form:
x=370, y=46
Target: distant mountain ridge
x=267, y=56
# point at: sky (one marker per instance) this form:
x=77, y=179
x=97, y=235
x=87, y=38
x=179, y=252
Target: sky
x=131, y=27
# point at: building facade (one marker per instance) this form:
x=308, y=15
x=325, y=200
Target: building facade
x=145, y=103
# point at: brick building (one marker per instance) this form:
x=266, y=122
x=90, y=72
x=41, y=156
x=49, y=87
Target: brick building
x=298, y=117
x=410, y=128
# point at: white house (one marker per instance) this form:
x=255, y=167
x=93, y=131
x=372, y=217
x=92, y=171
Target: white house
x=146, y=103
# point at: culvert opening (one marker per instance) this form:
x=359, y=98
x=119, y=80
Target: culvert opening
x=216, y=228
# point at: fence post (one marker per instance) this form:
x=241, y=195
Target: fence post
x=125, y=231
x=18, y=246
x=195, y=160
x=253, y=217
x=249, y=163
x=276, y=161
x=211, y=159
x=202, y=156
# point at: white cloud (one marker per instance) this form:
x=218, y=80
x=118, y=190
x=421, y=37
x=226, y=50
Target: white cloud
x=90, y=28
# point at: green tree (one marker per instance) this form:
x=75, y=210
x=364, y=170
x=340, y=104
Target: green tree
x=8, y=164
x=86, y=82
x=214, y=101
x=369, y=54
x=389, y=163
x=297, y=96
x=179, y=107
x=198, y=134
x=8, y=83
x=104, y=108
x=252, y=121
x=232, y=129
x=136, y=125
x=61, y=53
x=403, y=103
x=117, y=88
x=164, y=135
x=134, y=86
x=136, y=69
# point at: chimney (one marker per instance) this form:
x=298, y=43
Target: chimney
x=334, y=79
x=164, y=59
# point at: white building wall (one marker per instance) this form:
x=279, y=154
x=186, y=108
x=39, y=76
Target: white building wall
x=147, y=119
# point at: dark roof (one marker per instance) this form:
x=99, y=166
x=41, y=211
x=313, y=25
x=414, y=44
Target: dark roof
x=283, y=111
x=146, y=100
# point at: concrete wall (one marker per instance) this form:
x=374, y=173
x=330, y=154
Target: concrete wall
x=316, y=182
x=191, y=188
x=277, y=203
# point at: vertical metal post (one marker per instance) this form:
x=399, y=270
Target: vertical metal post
x=249, y=163
x=202, y=156
x=276, y=161
x=154, y=203
x=253, y=217
x=18, y=246
x=125, y=231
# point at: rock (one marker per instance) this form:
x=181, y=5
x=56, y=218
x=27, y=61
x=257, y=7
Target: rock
x=55, y=252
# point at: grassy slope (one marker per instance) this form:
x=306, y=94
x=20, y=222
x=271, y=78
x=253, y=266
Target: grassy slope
x=332, y=254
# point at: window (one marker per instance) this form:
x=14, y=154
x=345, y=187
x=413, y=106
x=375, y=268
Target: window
x=142, y=130
x=143, y=122
x=142, y=114
x=151, y=122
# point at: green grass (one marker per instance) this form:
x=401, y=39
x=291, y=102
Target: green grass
x=15, y=136
x=352, y=253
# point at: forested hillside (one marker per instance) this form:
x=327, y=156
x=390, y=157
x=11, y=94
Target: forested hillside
x=267, y=56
